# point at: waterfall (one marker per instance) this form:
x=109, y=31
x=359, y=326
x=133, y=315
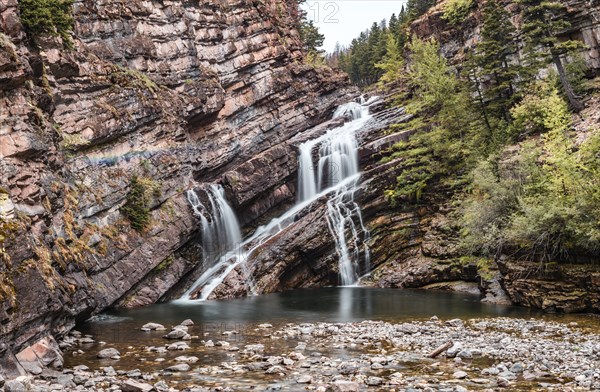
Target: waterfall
x=220, y=228
x=336, y=172
x=337, y=156
x=338, y=162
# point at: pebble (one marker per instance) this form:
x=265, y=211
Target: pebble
x=459, y=375
x=182, y=367
x=304, y=379
x=377, y=355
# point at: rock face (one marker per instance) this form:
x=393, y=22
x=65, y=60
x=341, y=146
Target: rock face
x=458, y=41
x=175, y=93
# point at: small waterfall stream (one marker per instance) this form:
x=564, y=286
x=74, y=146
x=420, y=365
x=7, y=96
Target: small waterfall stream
x=221, y=231
x=336, y=172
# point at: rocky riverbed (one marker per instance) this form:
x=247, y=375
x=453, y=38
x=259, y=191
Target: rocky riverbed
x=475, y=354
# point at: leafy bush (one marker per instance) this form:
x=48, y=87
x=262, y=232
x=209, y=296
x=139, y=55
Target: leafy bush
x=47, y=17
x=541, y=110
x=456, y=11
x=137, y=207
x=542, y=203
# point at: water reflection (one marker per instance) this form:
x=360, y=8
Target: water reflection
x=335, y=304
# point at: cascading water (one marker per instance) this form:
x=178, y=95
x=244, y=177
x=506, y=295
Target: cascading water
x=336, y=172
x=337, y=163
x=220, y=228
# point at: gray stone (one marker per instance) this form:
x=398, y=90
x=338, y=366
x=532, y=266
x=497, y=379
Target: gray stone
x=374, y=381
x=108, y=353
x=343, y=386
x=14, y=386
x=517, y=367
x=185, y=359
x=187, y=323
x=460, y=375
x=176, y=334
x=135, y=386
x=304, y=379
x=161, y=386
x=181, y=367
x=154, y=327
x=275, y=369
x=347, y=368
x=456, y=323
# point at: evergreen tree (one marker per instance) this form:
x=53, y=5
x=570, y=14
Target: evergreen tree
x=393, y=24
x=416, y=8
x=392, y=63
x=491, y=65
x=542, y=22
x=312, y=39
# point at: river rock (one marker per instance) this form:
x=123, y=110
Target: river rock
x=108, y=353
x=187, y=323
x=459, y=375
x=454, y=350
x=161, y=386
x=176, y=334
x=347, y=368
x=343, y=386
x=14, y=386
x=304, y=379
x=456, y=323
x=257, y=366
x=182, y=367
x=154, y=327
x=135, y=386
x=187, y=359
x=374, y=381
x=517, y=367
x=178, y=346
x=275, y=370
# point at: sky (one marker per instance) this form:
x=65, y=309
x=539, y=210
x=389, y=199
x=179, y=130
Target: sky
x=343, y=20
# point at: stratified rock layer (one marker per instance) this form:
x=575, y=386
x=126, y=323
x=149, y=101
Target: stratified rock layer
x=174, y=93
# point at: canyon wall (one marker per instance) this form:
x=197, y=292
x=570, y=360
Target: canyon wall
x=417, y=245
x=173, y=93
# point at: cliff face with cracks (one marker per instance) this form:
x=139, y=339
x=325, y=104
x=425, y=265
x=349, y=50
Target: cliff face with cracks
x=175, y=93
x=417, y=245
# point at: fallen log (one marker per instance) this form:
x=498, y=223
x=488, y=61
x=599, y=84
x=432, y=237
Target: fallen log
x=440, y=349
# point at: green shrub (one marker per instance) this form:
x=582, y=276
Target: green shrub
x=137, y=206
x=542, y=109
x=47, y=17
x=542, y=204
x=456, y=11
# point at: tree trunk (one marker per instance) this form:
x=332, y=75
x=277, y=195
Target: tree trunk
x=575, y=103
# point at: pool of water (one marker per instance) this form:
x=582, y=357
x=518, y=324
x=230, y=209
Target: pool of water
x=334, y=304
x=121, y=328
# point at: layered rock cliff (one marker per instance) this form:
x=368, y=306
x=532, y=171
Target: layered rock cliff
x=418, y=245
x=172, y=93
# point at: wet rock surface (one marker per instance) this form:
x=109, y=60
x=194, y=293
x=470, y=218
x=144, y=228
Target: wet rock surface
x=505, y=353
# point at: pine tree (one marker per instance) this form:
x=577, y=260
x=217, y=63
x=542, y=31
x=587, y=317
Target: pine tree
x=542, y=22
x=492, y=63
x=312, y=39
x=392, y=63
x=416, y=8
